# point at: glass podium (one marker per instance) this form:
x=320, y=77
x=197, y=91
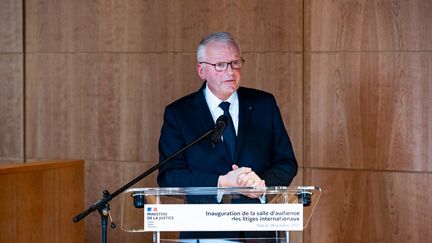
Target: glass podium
x=278, y=209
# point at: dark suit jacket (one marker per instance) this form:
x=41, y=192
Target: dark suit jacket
x=262, y=142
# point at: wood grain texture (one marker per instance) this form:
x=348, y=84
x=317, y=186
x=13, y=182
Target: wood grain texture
x=11, y=108
x=110, y=106
x=369, y=110
x=99, y=73
x=102, y=106
x=357, y=25
x=39, y=201
x=11, y=26
x=160, y=26
x=367, y=206
x=266, y=26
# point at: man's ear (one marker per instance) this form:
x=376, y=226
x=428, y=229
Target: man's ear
x=200, y=70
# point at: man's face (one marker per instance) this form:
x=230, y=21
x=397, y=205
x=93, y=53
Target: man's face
x=221, y=83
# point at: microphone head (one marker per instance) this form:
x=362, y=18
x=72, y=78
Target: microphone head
x=221, y=123
x=222, y=120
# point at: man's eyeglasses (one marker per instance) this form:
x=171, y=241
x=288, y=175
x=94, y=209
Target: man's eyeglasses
x=222, y=66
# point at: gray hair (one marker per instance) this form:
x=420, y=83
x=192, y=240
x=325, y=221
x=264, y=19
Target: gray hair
x=215, y=36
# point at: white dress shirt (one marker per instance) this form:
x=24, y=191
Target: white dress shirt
x=213, y=105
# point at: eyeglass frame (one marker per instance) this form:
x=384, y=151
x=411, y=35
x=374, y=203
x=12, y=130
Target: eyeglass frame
x=227, y=63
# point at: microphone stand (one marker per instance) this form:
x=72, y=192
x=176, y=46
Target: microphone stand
x=102, y=205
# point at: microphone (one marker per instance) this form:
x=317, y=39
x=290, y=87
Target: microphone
x=102, y=205
x=221, y=123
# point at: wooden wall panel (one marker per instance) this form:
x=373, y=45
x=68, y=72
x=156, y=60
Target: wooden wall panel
x=102, y=106
x=11, y=26
x=371, y=206
x=356, y=25
x=369, y=110
x=11, y=107
x=11, y=81
x=367, y=103
x=161, y=26
x=266, y=26
x=110, y=106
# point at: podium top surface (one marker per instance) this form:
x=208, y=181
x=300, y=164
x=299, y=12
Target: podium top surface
x=167, y=191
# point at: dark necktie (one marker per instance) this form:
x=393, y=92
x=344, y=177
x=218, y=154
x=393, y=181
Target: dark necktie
x=229, y=132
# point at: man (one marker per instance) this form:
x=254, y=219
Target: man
x=256, y=150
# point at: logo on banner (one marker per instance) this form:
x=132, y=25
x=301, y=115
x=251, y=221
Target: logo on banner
x=154, y=214
x=152, y=209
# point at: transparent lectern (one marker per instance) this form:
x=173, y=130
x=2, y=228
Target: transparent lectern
x=279, y=210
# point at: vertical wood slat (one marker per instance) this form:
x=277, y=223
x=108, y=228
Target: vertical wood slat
x=11, y=81
x=11, y=26
x=355, y=25
x=369, y=110
x=367, y=95
x=371, y=206
x=160, y=26
x=39, y=200
x=11, y=107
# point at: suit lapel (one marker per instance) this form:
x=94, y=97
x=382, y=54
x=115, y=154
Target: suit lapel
x=203, y=120
x=246, y=108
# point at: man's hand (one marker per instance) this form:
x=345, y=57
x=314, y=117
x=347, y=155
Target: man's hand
x=242, y=177
x=230, y=179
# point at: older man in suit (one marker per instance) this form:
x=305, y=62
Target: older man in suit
x=256, y=150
